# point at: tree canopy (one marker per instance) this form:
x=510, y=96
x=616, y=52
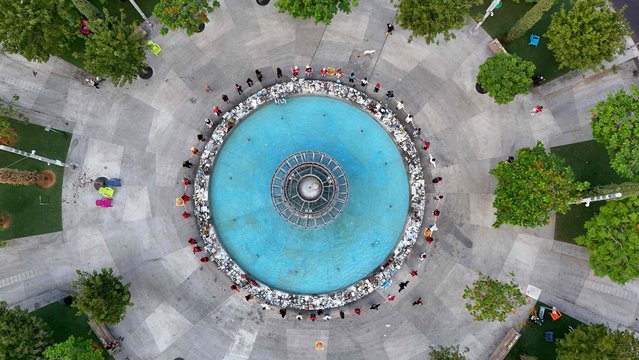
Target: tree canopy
x=493, y=300
x=615, y=125
x=506, y=76
x=534, y=185
x=586, y=34
x=598, y=342
x=612, y=239
x=321, y=11
x=428, y=19
x=22, y=336
x=114, y=50
x=446, y=353
x=186, y=14
x=36, y=29
x=73, y=349
x=101, y=296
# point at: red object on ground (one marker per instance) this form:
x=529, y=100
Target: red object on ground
x=313, y=317
x=413, y=273
x=429, y=239
x=197, y=249
x=234, y=287
x=358, y=311
x=186, y=215
x=204, y=259
x=185, y=197
x=192, y=241
x=83, y=27
x=248, y=297
x=186, y=181
x=391, y=298
x=436, y=212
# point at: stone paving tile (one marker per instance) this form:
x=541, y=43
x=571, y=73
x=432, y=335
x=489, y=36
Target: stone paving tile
x=143, y=131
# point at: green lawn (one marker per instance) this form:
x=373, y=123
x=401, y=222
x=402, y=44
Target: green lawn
x=589, y=160
x=532, y=341
x=63, y=321
x=113, y=7
x=23, y=202
x=505, y=17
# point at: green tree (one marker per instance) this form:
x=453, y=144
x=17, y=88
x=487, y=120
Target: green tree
x=73, y=349
x=428, y=19
x=529, y=19
x=534, y=185
x=114, y=50
x=598, y=342
x=36, y=29
x=612, y=240
x=493, y=300
x=446, y=353
x=587, y=34
x=615, y=125
x=321, y=11
x=22, y=336
x=187, y=14
x=87, y=9
x=101, y=296
x=506, y=76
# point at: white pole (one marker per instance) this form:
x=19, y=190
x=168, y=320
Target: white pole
x=489, y=12
x=146, y=19
x=33, y=155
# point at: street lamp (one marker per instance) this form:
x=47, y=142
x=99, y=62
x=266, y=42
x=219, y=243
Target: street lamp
x=489, y=12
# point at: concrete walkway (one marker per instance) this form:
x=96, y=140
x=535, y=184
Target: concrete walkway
x=143, y=132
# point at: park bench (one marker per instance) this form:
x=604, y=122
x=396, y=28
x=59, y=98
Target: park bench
x=505, y=345
x=496, y=47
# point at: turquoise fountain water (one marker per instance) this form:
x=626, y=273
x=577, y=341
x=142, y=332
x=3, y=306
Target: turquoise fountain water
x=289, y=257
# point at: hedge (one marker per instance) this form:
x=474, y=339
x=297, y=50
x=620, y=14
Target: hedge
x=529, y=19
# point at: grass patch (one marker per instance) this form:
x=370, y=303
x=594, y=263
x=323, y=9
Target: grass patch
x=23, y=202
x=64, y=322
x=590, y=162
x=113, y=7
x=532, y=341
x=505, y=17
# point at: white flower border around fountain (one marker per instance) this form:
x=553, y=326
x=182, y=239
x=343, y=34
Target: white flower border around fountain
x=414, y=219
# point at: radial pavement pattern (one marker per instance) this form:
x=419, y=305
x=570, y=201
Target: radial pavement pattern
x=143, y=132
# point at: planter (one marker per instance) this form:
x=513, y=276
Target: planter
x=200, y=28
x=263, y=2
x=146, y=73
x=480, y=89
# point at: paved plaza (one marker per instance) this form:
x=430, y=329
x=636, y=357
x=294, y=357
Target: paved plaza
x=143, y=132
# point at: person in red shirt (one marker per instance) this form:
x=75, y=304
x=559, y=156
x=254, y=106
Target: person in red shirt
x=192, y=241
x=204, y=259
x=357, y=311
x=323, y=72
x=186, y=215
x=186, y=181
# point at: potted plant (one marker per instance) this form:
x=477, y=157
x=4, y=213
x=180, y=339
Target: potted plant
x=191, y=15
